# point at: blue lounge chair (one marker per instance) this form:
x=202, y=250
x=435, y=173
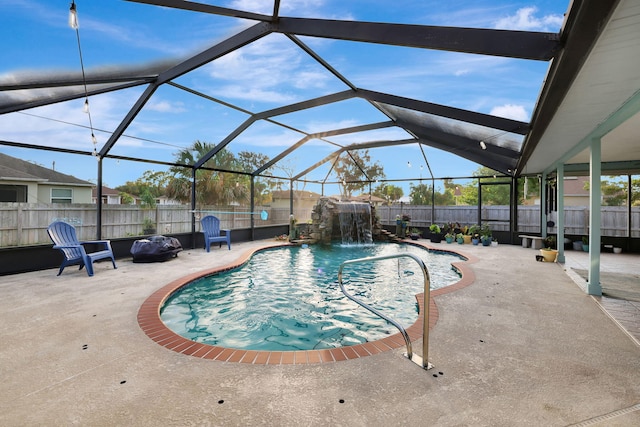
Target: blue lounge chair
x=211, y=230
x=64, y=238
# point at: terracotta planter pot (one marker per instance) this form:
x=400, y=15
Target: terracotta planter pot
x=549, y=254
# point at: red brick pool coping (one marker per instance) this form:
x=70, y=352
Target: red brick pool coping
x=152, y=325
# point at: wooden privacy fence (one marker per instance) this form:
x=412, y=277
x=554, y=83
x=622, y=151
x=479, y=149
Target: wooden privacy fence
x=26, y=223
x=613, y=223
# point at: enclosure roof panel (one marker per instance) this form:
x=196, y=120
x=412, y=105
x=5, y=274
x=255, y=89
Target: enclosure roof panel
x=283, y=64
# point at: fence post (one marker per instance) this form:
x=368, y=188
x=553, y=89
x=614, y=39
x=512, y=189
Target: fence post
x=19, y=225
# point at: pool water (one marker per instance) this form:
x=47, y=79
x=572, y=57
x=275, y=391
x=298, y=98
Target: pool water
x=288, y=298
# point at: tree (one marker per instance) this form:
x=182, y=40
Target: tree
x=420, y=194
x=151, y=185
x=614, y=192
x=635, y=191
x=390, y=193
x=212, y=186
x=354, y=170
x=250, y=162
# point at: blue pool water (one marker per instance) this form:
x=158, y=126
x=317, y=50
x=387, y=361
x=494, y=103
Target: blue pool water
x=288, y=298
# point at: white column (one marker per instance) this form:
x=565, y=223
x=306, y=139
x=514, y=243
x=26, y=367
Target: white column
x=560, y=223
x=595, y=170
x=543, y=205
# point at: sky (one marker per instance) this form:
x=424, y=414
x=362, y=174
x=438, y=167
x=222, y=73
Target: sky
x=269, y=73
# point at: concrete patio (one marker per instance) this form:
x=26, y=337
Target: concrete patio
x=522, y=345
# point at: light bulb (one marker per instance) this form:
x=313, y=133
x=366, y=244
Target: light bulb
x=483, y=145
x=73, y=16
x=85, y=108
x=93, y=139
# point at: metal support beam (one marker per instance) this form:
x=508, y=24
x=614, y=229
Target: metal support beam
x=353, y=147
x=62, y=96
x=99, y=201
x=232, y=43
x=252, y=206
x=193, y=208
x=502, y=159
x=513, y=44
x=316, y=102
x=487, y=120
x=205, y=8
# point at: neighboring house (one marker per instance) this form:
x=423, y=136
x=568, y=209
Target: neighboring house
x=164, y=200
x=109, y=196
x=373, y=200
x=575, y=193
x=161, y=200
x=301, y=199
x=26, y=182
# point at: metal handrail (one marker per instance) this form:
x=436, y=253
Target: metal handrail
x=421, y=361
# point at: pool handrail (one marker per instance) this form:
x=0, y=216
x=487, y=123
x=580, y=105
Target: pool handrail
x=423, y=361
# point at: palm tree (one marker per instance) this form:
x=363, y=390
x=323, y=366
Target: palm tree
x=212, y=186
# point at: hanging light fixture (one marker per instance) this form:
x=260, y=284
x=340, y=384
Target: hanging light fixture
x=73, y=16
x=483, y=145
x=73, y=23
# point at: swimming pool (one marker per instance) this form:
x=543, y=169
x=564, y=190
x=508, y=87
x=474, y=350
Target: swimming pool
x=288, y=299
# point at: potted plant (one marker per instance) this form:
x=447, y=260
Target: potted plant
x=485, y=235
x=494, y=242
x=450, y=237
x=550, y=242
x=402, y=222
x=466, y=231
x=585, y=243
x=460, y=238
x=148, y=226
x=549, y=254
x=474, y=232
x=436, y=233
x=415, y=234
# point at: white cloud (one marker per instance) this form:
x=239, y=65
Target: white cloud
x=268, y=70
x=525, y=19
x=510, y=111
x=163, y=106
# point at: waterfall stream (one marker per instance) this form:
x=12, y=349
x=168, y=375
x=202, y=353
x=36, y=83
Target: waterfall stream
x=355, y=223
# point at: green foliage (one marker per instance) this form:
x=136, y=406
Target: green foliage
x=485, y=231
x=126, y=198
x=390, y=193
x=422, y=194
x=474, y=230
x=151, y=185
x=354, y=169
x=434, y=228
x=147, y=199
x=213, y=185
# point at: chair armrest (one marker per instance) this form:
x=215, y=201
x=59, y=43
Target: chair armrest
x=105, y=243
x=71, y=246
